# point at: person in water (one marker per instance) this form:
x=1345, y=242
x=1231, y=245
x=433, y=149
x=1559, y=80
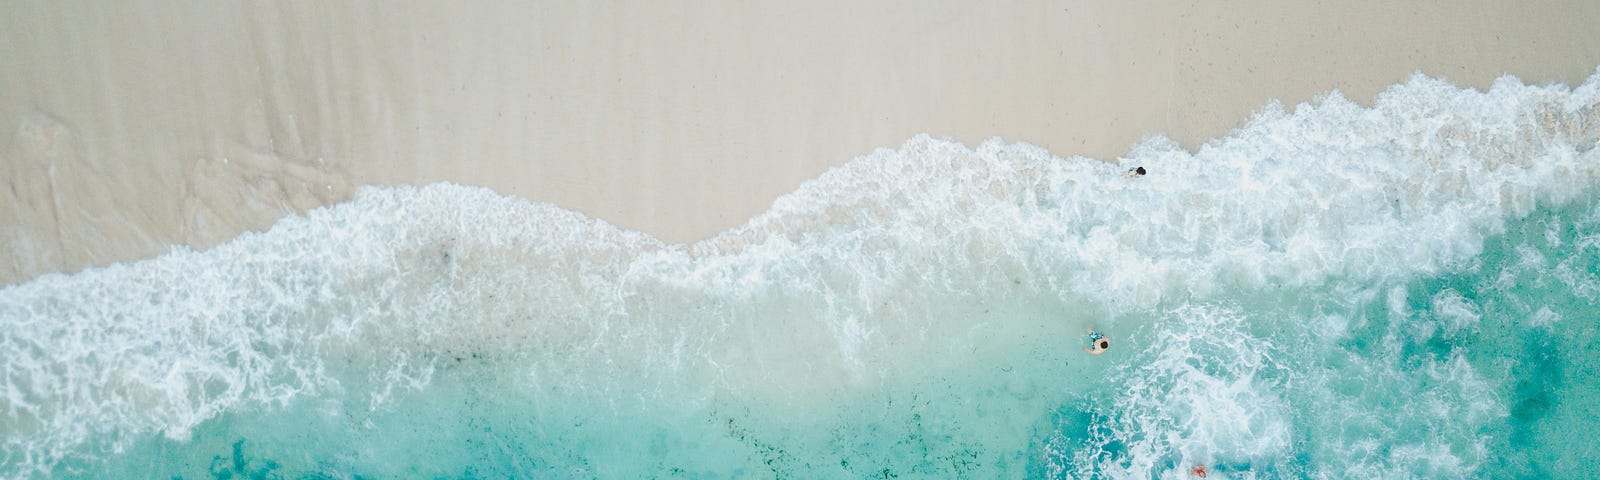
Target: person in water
x=1134, y=172
x=1098, y=343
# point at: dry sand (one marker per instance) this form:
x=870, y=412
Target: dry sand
x=128, y=127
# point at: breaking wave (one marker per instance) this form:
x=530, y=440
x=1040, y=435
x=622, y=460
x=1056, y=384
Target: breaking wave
x=1332, y=290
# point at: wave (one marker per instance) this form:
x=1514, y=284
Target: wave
x=908, y=275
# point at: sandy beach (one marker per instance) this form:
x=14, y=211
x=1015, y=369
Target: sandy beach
x=127, y=128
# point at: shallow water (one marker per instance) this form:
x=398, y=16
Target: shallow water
x=1334, y=291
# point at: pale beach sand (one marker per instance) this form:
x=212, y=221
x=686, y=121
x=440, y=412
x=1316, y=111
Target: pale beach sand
x=129, y=127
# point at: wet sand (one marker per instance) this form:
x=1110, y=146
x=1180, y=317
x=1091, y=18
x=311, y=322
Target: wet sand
x=128, y=128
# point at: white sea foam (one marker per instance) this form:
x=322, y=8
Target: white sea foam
x=1199, y=400
x=845, y=285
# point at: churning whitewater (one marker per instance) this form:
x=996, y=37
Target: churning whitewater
x=1334, y=291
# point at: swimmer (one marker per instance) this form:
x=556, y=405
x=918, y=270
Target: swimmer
x=1198, y=471
x=1098, y=343
x=1134, y=172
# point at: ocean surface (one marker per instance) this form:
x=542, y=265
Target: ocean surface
x=1331, y=291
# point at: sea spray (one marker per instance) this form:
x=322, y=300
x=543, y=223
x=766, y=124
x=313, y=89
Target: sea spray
x=1328, y=291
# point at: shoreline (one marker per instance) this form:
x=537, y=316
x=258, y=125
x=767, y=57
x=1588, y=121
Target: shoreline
x=126, y=129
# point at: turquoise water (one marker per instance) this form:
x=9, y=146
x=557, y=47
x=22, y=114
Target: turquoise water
x=1405, y=291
